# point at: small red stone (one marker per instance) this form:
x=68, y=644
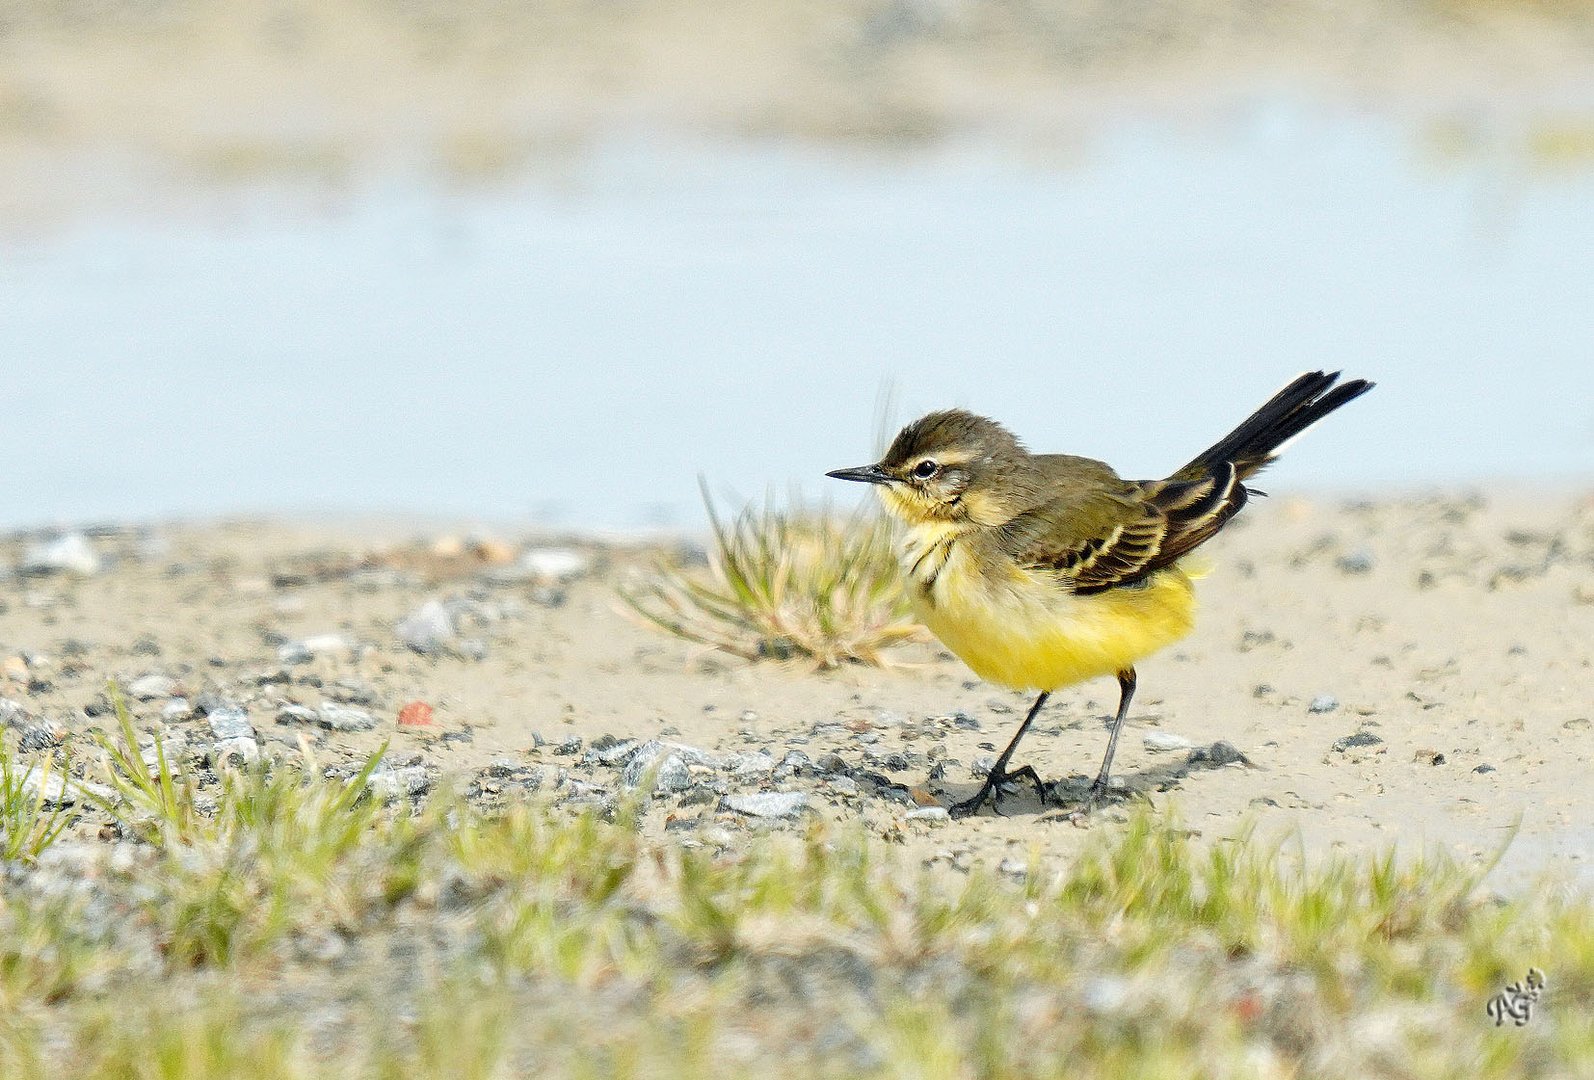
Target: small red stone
x=415, y=714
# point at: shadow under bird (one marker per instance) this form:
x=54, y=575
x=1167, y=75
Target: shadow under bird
x=1043, y=570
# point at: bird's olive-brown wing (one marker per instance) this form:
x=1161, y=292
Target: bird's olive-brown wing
x=1096, y=533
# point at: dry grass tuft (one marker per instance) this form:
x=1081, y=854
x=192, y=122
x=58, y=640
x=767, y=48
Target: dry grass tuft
x=788, y=584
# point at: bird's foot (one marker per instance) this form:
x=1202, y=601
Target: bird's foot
x=1097, y=796
x=992, y=791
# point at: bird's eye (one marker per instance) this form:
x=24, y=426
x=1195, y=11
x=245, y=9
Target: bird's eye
x=926, y=469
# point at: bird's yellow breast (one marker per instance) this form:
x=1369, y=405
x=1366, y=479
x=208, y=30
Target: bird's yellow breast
x=1021, y=629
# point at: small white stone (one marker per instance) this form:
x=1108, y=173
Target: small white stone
x=427, y=629
x=72, y=553
x=1166, y=740
x=768, y=804
x=554, y=565
x=150, y=687
x=930, y=813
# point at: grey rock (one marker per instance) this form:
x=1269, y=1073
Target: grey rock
x=770, y=805
x=1013, y=868
x=406, y=781
x=176, y=709
x=751, y=765
x=307, y=649
x=1484, y=768
x=1361, y=738
x=795, y=760
x=845, y=785
x=59, y=791
x=297, y=714
x=929, y=813
x=14, y=715
x=172, y=749
x=429, y=629
x=1166, y=740
x=336, y=717
x=1359, y=561
x=150, y=687
x=981, y=766
x=69, y=554
x=832, y=763
x=1217, y=755
x=242, y=750
x=571, y=745
x=40, y=736
x=615, y=753
x=552, y=565
x=1323, y=703
x=230, y=722
x=641, y=761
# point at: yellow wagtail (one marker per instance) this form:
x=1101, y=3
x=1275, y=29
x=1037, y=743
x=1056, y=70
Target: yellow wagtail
x=1043, y=570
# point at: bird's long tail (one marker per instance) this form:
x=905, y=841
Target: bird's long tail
x=1289, y=412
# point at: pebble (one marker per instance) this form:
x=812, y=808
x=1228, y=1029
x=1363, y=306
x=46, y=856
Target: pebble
x=752, y=765
x=930, y=813
x=230, y=722
x=981, y=766
x=1323, y=703
x=40, y=736
x=1013, y=868
x=415, y=714
x=58, y=791
x=71, y=554
x=405, y=781
x=1359, y=561
x=767, y=804
x=336, y=717
x=608, y=750
x=150, y=687
x=641, y=760
x=429, y=629
x=307, y=649
x=553, y=565
x=331, y=715
x=673, y=775
x=242, y=750
x=1166, y=740
x=1361, y=738
x=177, y=708
x=14, y=715
x=1484, y=768
x=297, y=714
x=1217, y=755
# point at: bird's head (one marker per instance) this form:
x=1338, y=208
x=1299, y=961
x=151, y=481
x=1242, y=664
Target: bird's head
x=949, y=466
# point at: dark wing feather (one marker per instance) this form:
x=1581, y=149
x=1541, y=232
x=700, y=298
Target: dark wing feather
x=1118, y=534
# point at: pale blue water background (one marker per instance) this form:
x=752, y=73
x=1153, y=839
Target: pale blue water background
x=574, y=348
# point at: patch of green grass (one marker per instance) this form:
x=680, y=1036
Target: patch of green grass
x=28, y=823
x=797, y=583
x=298, y=928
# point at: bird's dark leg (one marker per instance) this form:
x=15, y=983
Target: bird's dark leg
x=1126, y=691
x=999, y=774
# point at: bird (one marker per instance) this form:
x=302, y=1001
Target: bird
x=1040, y=571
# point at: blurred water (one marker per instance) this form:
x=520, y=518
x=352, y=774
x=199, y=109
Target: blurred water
x=576, y=348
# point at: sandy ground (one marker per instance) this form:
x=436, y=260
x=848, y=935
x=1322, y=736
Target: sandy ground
x=1458, y=630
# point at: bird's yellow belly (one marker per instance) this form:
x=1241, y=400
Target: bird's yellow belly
x=1027, y=634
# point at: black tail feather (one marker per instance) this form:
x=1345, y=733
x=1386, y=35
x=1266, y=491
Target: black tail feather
x=1291, y=411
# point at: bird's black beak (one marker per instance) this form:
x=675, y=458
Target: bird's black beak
x=868, y=474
